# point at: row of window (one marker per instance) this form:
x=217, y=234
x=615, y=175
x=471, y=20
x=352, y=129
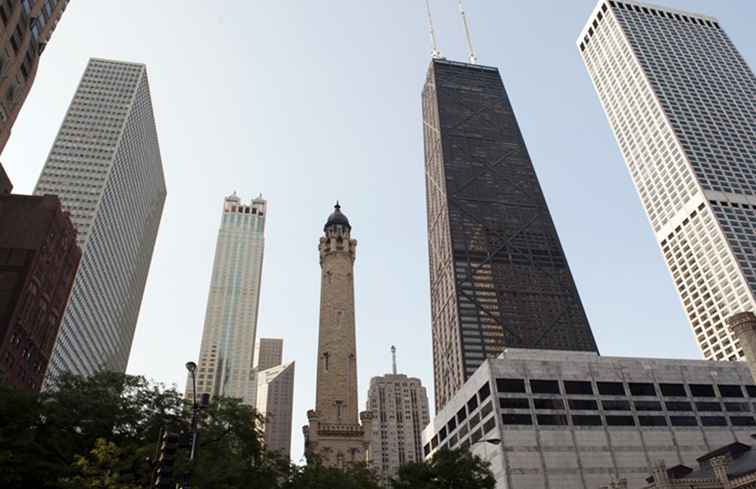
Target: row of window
x=579, y=387
x=623, y=420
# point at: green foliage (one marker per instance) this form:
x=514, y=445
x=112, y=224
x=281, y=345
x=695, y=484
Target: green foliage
x=316, y=476
x=102, y=469
x=447, y=469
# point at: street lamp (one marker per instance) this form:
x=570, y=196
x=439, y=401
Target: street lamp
x=192, y=368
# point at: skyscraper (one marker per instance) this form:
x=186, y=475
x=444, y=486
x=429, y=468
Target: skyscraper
x=105, y=167
x=38, y=261
x=400, y=413
x=25, y=29
x=334, y=434
x=275, y=400
x=228, y=337
x=681, y=101
x=268, y=353
x=498, y=275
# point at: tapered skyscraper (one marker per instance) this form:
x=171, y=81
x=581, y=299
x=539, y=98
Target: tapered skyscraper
x=681, y=101
x=499, y=277
x=228, y=337
x=106, y=168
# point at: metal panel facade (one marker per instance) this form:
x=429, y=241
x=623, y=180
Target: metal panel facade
x=499, y=277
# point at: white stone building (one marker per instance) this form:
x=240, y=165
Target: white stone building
x=575, y=420
x=105, y=167
x=225, y=366
x=681, y=102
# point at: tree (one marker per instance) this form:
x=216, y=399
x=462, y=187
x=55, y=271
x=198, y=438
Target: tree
x=102, y=469
x=317, y=476
x=447, y=469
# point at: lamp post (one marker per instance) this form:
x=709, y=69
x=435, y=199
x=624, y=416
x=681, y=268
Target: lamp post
x=192, y=368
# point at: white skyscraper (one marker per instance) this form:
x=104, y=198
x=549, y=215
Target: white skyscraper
x=681, y=101
x=275, y=401
x=228, y=338
x=400, y=413
x=105, y=166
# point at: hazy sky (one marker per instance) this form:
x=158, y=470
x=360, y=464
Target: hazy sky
x=313, y=101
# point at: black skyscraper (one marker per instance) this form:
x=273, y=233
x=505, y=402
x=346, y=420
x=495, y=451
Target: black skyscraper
x=499, y=277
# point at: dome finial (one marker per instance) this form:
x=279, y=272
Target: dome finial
x=337, y=217
x=337, y=206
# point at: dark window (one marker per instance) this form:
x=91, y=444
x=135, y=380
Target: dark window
x=434, y=442
x=701, y=390
x=548, y=403
x=742, y=421
x=586, y=420
x=489, y=425
x=516, y=419
x=577, y=387
x=641, y=389
x=464, y=444
x=551, y=419
x=452, y=424
x=510, y=385
x=652, y=421
x=611, y=388
x=452, y=441
x=462, y=430
x=513, y=403
x=708, y=406
x=474, y=420
x=683, y=421
x=544, y=386
x=583, y=404
x=615, y=405
x=620, y=421
x=426, y=449
x=484, y=392
x=737, y=407
x=476, y=436
x=461, y=415
x=672, y=390
x=713, y=421
x=678, y=406
x=442, y=434
x=751, y=390
x=647, y=405
x=472, y=404
x=730, y=390
x=486, y=409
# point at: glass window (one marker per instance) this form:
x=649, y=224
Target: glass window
x=678, y=406
x=701, y=390
x=548, y=403
x=461, y=415
x=583, y=404
x=617, y=405
x=652, y=421
x=708, y=406
x=683, y=421
x=611, y=388
x=510, y=385
x=521, y=419
x=586, y=420
x=737, y=407
x=742, y=421
x=729, y=390
x=713, y=421
x=472, y=404
x=551, y=419
x=620, y=421
x=513, y=403
x=544, y=387
x=484, y=392
x=672, y=390
x=647, y=406
x=577, y=387
x=642, y=389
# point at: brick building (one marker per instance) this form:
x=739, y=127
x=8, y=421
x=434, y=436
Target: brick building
x=38, y=262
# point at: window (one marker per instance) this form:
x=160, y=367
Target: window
x=510, y=385
x=484, y=392
x=708, y=406
x=647, y=406
x=551, y=419
x=586, y=420
x=611, y=388
x=713, y=421
x=461, y=414
x=642, y=389
x=583, y=404
x=652, y=421
x=476, y=436
x=548, y=403
x=521, y=419
x=672, y=390
x=442, y=434
x=544, y=387
x=489, y=425
x=701, y=390
x=742, y=421
x=730, y=390
x=452, y=424
x=683, y=421
x=751, y=390
x=737, y=407
x=620, y=421
x=474, y=420
x=472, y=404
x=616, y=405
x=678, y=406
x=485, y=410
x=577, y=387
x=513, y=403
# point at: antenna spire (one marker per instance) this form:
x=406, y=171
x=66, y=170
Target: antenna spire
x=393, y=358
x=435, y=53
x=468, y=40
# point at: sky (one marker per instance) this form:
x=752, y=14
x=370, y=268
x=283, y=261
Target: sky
x=311, y=101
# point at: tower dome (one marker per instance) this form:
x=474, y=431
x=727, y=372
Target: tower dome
x=337, y=218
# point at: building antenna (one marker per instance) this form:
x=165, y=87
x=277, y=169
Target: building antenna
x=435, y=53
x=393, y=357
x=468, y=40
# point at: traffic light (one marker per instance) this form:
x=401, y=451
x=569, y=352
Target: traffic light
x=168, y=447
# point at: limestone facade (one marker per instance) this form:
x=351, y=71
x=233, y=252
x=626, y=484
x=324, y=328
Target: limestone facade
x=335, y=436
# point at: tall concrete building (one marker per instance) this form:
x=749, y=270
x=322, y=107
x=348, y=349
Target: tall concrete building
x=25, y=30
x=399, y=405
x=498, y=275
x=38, y=262
x=275, y=401
x=106, y=168
x=225, y=366
x=268, y=353
x=335, y=435
x=681, y=102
